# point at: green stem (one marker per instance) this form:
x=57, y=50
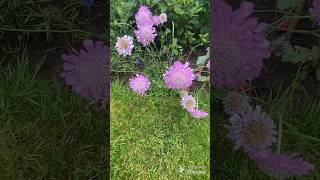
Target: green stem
x=279, y=134
x=298, y=31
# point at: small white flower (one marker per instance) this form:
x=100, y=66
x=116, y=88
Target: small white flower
x=124, y=45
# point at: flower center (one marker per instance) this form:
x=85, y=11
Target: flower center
x=123, y=44
x=255, y=133
x=178, y=77
x=189, y=104
x=140, y=84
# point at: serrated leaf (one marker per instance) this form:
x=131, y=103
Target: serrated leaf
x=286, y=4
x=296, y=55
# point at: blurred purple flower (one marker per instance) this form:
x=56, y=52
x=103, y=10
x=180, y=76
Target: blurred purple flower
x=145, y=35
x=315, y=11
x=139, y=84
x=162, y=18
x=239, y=44
x=179, y=76
x=251, y=130
x=280, y=166
x=86, y=70
x=236, y=103
x=188, y=102
x=144, y=17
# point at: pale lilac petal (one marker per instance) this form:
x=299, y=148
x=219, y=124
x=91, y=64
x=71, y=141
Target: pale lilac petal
x=281, y=166
x=196, y=113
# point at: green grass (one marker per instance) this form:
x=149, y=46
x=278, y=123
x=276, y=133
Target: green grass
x=301, y=135
x=46, y=131
x=152, y=136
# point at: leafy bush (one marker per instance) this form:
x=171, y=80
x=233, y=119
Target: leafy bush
x=190, y=18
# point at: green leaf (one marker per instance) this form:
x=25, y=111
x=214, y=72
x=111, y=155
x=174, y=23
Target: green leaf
x=178, y=10
x=286, y=4
x=318, y=73
x=303, y=75
x=203, y=78
x=202, y=59
x=296, y=55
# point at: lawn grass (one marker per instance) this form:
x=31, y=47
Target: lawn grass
x=151, y=136
x=301, y=135
x=46, y=131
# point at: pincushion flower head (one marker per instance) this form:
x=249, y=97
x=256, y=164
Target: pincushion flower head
x=162, y=18
x=315, y=11
x=188, y=102
x=145, y=35
x=281, y=166
x=239, y=44
x=251, y=130
x=86, y=70
x=144, y=17
x=124, y=45
x=139, y=84
x=179, y=76
x=235, y=103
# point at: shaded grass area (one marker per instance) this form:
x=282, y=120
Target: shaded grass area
x=46, y=131
x=301, y=135
x=152, y=137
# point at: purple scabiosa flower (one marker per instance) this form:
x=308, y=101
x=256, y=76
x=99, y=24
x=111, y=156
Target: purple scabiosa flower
x=139, y=84
x=239, y=44
x=124, y=45
x=236, y=103
x=188, y=102
x=156, y=20
x=144, y=17
x=281, y=166
x=315, y=11
x=196, y=113
x=162, y=18
x=145, y=35
x=251, y=130
x=86, y=71
x=179, y=76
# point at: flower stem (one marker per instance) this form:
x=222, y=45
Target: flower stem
x=279, y=133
